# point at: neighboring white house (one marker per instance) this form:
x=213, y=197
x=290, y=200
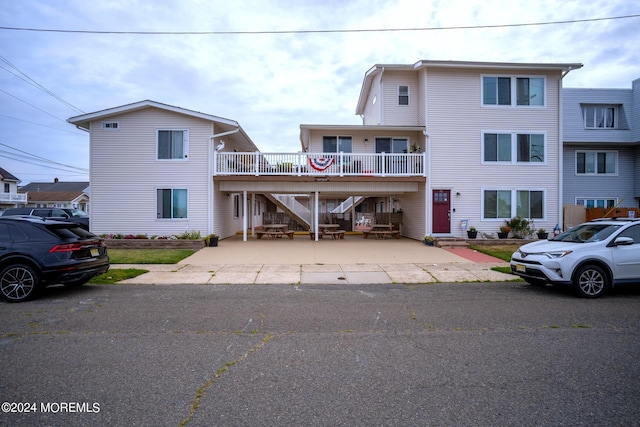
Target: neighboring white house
x=602, y=147
x=58, y=194
x=151, y=169
x=9, y=197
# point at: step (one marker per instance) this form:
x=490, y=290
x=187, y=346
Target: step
x=448, y=243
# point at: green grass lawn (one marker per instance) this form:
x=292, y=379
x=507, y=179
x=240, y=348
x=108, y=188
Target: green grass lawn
x=148, y=256
x=502, y=252
x=137, y=256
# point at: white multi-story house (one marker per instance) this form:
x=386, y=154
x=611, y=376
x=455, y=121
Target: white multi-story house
x=151, y=170
x=446, y=144
x=602, y=147
x=9, y=197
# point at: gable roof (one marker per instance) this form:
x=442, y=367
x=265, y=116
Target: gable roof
x=6, y=176
x=55, y=187
x=83, y=121
x=380, y=69
x=54, y=196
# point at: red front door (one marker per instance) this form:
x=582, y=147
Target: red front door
x=441, y=211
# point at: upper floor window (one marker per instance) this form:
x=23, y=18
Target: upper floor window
x=529, y=148
x=337, y=144
x=500, y=90
x=596, y=162
x=403, y=95
x=7, y=187
x=173, y=144
x=599, y=116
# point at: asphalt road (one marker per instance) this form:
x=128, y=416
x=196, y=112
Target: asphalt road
x=442, y=354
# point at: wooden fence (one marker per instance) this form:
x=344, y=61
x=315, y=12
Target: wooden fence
x=594, y=213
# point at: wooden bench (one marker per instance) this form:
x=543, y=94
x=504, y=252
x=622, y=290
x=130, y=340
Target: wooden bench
x=382, y=234
x=335, y=235
x=274, y=234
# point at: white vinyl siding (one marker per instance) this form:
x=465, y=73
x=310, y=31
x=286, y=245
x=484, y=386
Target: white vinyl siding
x=125, y=174
x=456, y=121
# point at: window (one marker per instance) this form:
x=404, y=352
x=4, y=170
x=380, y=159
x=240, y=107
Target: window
x=530, y=91
x=529, y=204
x=336, y=144
x=498, y=147
x=7, y=187
x=530, y=148
x=596, y=162
x=403, y=95
x=498, y=91
x=505, y=204
x=392, y=145
x=110, y=125
x=173, y=144
x=171, y=203
x=600, y=116
x=237, y=206
x=597, y=203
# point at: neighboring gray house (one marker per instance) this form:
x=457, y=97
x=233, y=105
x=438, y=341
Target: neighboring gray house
x=601, y=161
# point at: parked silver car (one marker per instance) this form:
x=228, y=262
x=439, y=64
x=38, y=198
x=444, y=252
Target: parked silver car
x=593, y=257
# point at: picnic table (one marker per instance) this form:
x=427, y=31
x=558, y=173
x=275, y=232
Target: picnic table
x=382, y=231
x=274, y=231
x=331, y=230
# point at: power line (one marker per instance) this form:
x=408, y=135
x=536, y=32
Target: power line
x=361, y=30
x=31, y=105
x=33, y=158
x=24, y=77
x=39, y=124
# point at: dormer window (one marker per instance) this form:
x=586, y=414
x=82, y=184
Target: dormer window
x=600, y=116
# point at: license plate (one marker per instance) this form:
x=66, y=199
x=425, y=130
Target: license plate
x=95, y=252
x=521, y=268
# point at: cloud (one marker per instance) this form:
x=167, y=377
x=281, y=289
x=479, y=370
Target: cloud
x=272, y=83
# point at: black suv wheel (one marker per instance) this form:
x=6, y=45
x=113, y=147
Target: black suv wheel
x=18, y=282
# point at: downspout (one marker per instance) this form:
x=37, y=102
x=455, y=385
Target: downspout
x=380, y=100
x=428, y=210
x=212, y=159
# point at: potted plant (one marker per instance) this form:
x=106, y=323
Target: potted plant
x=211, y=240
x=472, y=233
x=542, y=234
x=504, y=231
x=520, y=227
x=428, y=240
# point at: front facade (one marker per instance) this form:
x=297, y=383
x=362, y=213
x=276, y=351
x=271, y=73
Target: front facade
x=448, y=145
x=602, y=147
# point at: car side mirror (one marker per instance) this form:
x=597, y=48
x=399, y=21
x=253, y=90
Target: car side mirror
x=623, y=241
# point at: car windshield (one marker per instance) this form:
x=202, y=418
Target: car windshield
x=587, y=233
x=79, y=214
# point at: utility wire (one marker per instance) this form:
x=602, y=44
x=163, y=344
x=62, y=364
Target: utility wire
x=33, y=157
x=24, y=77
x=31, y=105
x=39, y=124
x=468, y=27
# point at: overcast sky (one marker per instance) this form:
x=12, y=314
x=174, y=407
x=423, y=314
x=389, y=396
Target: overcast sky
x=269, y=82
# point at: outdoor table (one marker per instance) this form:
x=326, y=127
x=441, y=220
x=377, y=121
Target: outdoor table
x=275, y=231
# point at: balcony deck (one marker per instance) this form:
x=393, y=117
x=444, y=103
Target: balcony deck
x=13, y=198
x=320, y=164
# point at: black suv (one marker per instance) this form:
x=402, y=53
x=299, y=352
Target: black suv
x=36, y=252
x=58, y=214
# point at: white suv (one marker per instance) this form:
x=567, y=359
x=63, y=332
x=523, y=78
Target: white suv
x=593, y=257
